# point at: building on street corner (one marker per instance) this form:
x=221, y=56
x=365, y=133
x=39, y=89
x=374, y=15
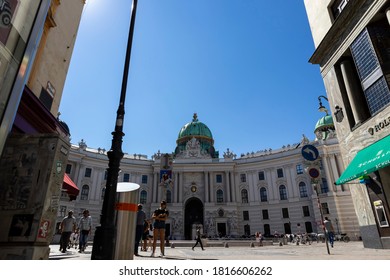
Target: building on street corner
x=36, y=44
x=352, y=45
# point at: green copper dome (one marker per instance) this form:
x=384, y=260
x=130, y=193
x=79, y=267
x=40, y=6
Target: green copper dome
x=200, y=132
x=195, y=128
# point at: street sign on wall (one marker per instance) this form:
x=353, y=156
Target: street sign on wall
x=314, y=172
x=309, y=152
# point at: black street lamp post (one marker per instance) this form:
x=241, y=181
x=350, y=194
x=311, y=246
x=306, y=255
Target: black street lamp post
x=104, y=241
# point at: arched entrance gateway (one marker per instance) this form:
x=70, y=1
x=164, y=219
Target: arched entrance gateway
x=193, y=215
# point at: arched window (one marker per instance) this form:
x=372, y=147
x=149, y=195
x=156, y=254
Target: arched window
x=103, y=193
x=283, y=192
x=302, y=189
x=84, y=192
x=263, y=194
x=219, y=196
x=143, y=197
x=244, y=196
x=169, y=196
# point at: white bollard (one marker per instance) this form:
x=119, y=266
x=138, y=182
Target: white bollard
x=126, y=219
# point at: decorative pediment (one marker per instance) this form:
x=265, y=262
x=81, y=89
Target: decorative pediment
x=193, y=150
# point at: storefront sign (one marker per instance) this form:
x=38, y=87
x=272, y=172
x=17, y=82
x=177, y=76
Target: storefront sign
x=379, y=126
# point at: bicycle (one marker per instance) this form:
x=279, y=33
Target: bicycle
x=342, y=237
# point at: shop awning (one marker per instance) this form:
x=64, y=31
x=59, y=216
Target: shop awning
x=70, y=187
x=368, y=160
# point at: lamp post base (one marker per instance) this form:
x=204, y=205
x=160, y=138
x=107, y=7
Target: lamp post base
x=103, y=244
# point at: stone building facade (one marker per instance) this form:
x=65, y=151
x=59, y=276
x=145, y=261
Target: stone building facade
x=268, y=191
x=352, y=45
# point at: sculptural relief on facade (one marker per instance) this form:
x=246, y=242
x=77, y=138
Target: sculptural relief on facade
x=177, y=225
x=209, y=225
x=193, y=150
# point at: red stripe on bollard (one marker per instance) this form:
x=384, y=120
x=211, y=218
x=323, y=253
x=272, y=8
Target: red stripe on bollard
x=122, y=206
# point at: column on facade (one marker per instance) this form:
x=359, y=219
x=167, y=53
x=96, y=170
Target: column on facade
x=80, y=177
x=328, y=175
x=338, y=164
x=206, y=186
x=180, y=184
x=352, y=85
x=175, y=188
x=255, y=186
x=212, y=187
x=271, y=183
x=233, y=186
x=95, y=190
x=228, y=199
x=251, y=189
x=291, y=182
x=77, y=175
x=334, y=169
x=139, y=178
x=155, y=186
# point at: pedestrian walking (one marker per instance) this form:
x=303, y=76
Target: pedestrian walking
x=198, y=239
x=329, y=231
x=84, y=228
x=145, y=235
x=159, y=216
x=68, y=225
x=139, y=229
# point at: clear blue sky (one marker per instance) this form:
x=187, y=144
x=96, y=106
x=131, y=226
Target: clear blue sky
x=241, y=65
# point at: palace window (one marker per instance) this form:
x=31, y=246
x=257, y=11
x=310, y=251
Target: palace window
x=219, y=196
x=285, y=213
x=143, y=197
x=261, y=176
x=279, y=172
x=263, y=194
x=265, y=214
x=84, y=192
x=299, y=169
x=324, y=185
x=325, y=208
x=283, y=192
x=245, y=215
x=306, y=211
x=244, y=196
x=88, y=172
x=68, y=168
x=302, y=190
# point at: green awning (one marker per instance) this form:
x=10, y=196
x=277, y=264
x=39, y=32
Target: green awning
x=368, y=160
